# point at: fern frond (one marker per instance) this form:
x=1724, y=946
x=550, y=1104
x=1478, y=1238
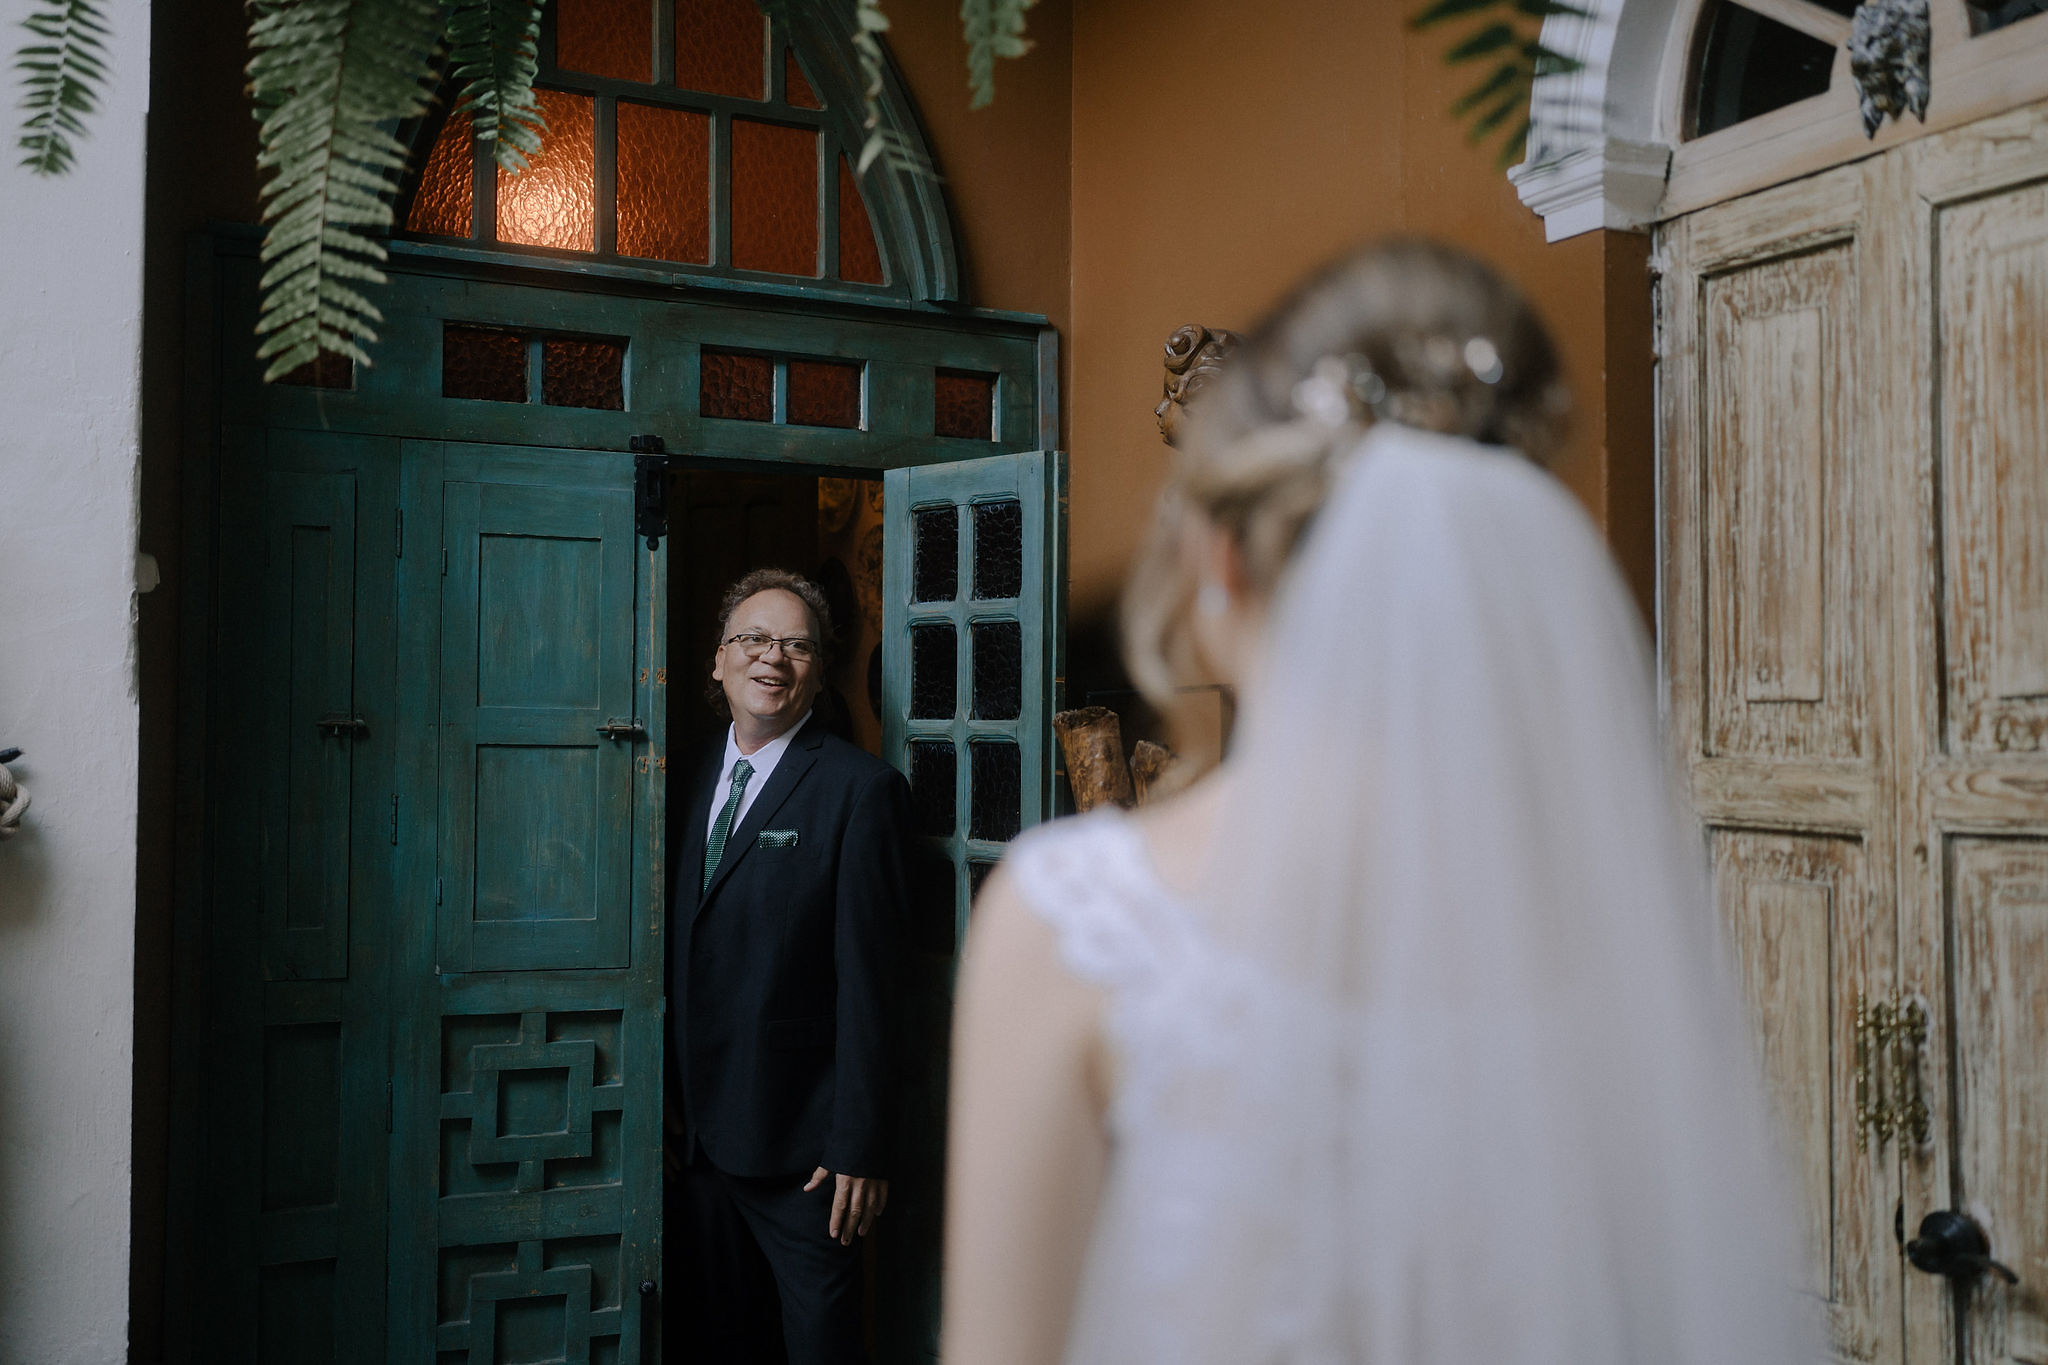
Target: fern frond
x=993, y=28
x=882, y=144
x=330, y=78
x=493, y=51
x=63, y=70
x=1443, y=10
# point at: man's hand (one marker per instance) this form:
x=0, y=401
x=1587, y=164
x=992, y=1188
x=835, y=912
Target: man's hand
x=857, y=1201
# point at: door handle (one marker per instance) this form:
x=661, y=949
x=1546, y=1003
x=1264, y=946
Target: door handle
x=1956, y=1245
x=622, y=729
x=335, y=724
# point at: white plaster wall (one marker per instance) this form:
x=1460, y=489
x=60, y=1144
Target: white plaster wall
x=70, y=362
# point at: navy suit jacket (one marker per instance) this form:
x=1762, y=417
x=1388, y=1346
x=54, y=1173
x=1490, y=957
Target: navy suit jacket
x=783, y=971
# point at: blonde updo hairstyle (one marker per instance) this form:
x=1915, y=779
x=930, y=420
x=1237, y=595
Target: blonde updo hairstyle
x=1403, y=331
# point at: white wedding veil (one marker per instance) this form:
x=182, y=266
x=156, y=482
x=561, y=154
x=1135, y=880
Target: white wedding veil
x=1487, y=1096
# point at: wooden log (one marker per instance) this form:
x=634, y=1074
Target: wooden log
x=1154, y=771
x=1092, y=740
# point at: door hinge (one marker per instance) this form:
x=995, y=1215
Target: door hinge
x=444, y=561
x=650, y=488
x=387, y=1106
x=398, y=534
x=394, y=817
x=437, y=890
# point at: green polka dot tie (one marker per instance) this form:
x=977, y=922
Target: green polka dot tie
x=722, y=830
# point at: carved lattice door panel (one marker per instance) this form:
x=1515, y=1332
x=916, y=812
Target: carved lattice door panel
x=526, y=1169
x=971, y=604
x=1855, y=643
x=292, y=1184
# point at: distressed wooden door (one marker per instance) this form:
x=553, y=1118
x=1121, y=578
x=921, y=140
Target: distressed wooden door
x=1774, y=630
x=305, y=735
x=972, y=601
x=1855, y=649
x=525, y=1177
x=1971, y=665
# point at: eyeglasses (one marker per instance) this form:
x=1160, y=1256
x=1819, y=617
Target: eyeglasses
x=801, y=648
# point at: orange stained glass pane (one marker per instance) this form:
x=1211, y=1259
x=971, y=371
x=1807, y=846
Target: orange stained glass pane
x=484, y=363
x=774, y=198
x=664, y=183
x=824, y=393
x=552, y=202
x=580, y=373
x=964, y=405
x=721, y=47
x=860, y=260
x=606, y=38
x=448, y=185
x=736, y=386
x=328, y=370
x=796, y=89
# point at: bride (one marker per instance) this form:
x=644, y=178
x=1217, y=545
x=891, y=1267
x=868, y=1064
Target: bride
x=1403, y=1037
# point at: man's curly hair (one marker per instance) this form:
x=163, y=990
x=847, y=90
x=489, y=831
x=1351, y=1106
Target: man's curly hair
x=766, y=580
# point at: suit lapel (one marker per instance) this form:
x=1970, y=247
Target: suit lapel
x=796, y=761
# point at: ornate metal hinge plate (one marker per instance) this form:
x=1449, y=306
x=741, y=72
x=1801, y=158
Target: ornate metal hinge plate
x=1890, y=1035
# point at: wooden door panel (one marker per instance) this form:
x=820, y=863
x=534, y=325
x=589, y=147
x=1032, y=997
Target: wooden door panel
x=1993, y=406
x=1785, y=657
x=1797, y=910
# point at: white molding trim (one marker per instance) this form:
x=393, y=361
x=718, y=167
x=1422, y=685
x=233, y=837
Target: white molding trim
x=1613, y=184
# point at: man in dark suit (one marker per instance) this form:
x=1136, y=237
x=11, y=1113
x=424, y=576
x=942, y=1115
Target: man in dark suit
x=789, y=886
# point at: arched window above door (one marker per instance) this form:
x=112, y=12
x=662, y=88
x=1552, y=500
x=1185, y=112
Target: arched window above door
x=711, y=137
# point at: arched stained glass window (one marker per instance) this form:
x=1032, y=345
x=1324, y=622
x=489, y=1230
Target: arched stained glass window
x=679, y=131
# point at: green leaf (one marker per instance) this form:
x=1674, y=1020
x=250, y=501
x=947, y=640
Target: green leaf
x=62, y=74
x=493, y=54
x=1493, y=38
x=1505, y=75
x=993, y=28
x=1443, y=10
x=1516, y=146
x=329, y=80
x=1544, y=9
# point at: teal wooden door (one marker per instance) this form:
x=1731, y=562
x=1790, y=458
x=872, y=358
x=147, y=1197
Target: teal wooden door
x=525, y=1181
x=973, y=600
x=303, y=739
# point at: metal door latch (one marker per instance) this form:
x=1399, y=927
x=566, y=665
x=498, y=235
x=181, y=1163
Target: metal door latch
x=1889, y=1099
x=622, y=729
x=339, y=723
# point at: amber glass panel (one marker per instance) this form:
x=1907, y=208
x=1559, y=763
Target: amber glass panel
x=964, y=405
x=483, y=362
x=796, y=88
x=552, y=202
x=995, y=779
x=328, y=370
x=664, y=183
x=859, y=259
x=935, y=554
x=824, y=393
x=605, y=38
x=932, y=773
x=448, y=185
x=998, y=549
x=576, y=373
x=720, y=45
x=934, y=677
x=741, y=387
x=774, y=198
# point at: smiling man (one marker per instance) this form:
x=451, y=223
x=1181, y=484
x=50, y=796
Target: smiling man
x=788, y=893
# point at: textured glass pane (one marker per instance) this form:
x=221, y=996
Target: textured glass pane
x=719, y=47
x=664, y=183
x=606, y=38
x=933, y=764
x=995, y=807
x=483, y=362
x=977, y=873
x=774, y=198
x=935, y=555
x=442, y=208
x=935, y=916
x=934, y=676
x=1987, y=15
x=575, y=373
x=796, y=88
x=551, y=202
x=325, y=371
x=824, y=393
x=998, y=669
x=998, y=550
x=1750, y=65
x=964, y=405
x=741, y=387
x=859, y=259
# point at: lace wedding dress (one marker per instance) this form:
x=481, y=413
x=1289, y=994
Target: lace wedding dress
x=1441, y=1066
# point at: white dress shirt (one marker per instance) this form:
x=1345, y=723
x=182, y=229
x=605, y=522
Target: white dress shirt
x=763, y=760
